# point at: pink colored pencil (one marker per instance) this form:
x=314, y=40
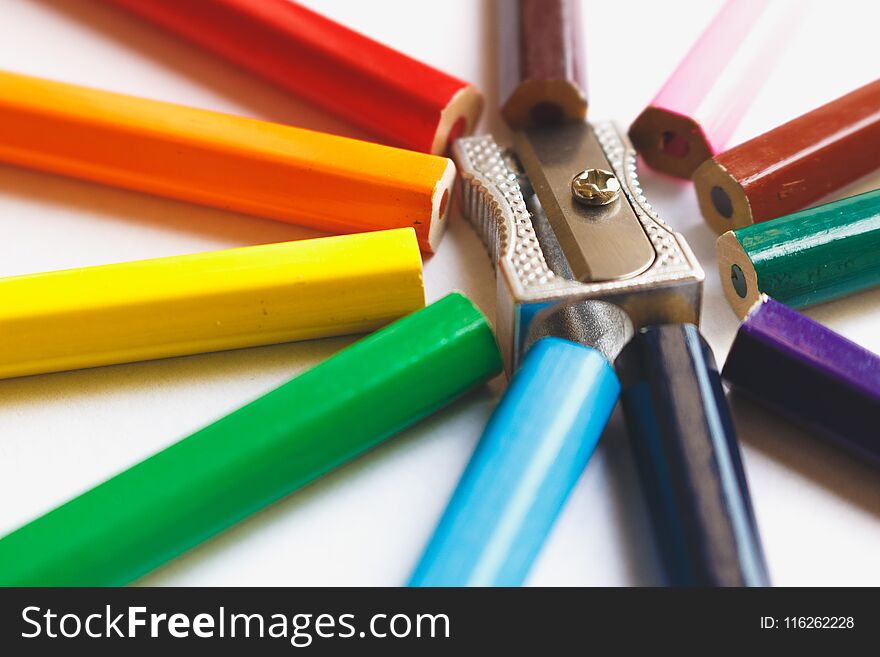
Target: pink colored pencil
x=697, y=110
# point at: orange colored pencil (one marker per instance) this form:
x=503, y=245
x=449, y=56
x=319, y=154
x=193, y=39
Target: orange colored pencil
x=309, y=178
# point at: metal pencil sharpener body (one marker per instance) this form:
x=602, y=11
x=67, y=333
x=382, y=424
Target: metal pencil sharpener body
x=578, y=252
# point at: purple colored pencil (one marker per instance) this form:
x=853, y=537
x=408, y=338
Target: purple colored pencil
x=809, y=373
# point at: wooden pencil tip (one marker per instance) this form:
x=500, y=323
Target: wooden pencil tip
x=670, y=143
x=738, y=276
x=458, y=119
x=441, y=202
x=723, y=203
x=536, y=103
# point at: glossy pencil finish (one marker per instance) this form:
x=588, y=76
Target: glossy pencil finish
x=180, y=497
x=793, y=165
x=696, y=111
x=810, y=374
x=543, y=73
x=233, y=163
x=686, y=450
x=530, y=456
x=189, y=304
x=805, y=258
x=399, y=99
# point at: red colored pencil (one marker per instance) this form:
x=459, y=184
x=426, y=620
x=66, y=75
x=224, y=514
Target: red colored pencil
x=397, y=98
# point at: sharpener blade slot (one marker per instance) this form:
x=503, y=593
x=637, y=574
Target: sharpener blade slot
x=599, y=242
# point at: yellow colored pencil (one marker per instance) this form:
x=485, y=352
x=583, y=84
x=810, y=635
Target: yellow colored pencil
x=205, y=302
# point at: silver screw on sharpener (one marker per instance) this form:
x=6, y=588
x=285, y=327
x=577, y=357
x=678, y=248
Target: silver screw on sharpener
x=595, y=187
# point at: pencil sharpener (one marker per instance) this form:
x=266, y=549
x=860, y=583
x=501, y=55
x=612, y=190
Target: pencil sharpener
x=577, y=249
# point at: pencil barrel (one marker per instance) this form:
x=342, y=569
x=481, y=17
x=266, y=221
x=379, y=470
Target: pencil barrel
x=791, y=166
x=183, y=495
x=543, y=72
x=689, y=462
x=805, y=258
x=205, y=302
x=699, y=106
x=810, y=374
x=279, y=172
x=402, y=101
x=532, y=452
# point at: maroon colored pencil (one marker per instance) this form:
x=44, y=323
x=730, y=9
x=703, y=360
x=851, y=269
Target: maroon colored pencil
x=542, y=66
x=788, y=168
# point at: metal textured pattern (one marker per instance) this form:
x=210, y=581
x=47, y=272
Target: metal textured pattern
x=668, y=291
x=493, y=202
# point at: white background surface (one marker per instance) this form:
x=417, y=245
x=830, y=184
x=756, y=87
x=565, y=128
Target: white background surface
x=818, y=510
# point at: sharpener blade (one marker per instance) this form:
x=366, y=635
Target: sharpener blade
x=600, y=242
x=623, y=255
